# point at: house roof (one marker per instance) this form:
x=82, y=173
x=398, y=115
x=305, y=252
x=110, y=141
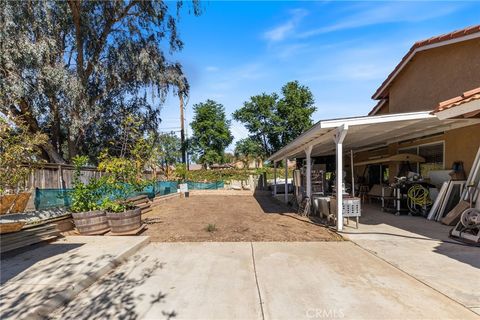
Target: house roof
x=195, y=167
x=469, y=102
x=222, y=166
x=377, y=107
x=445, y=39
x=467, y=96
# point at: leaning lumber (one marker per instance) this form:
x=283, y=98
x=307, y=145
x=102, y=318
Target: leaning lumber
x=453, y=216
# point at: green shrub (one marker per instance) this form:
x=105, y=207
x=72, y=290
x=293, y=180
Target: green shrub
x=211, y=228
x=85, y=196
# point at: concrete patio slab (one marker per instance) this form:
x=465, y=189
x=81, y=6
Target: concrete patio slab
x=37, y=280
x=175, y=280
x=341, y=280
x=296, y=280
x=422, y=249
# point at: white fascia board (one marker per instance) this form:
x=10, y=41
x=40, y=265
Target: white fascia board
x=309, y=136
x=459, y=110
x=299, y=145
x=324, y=137
x=376, y=119
x=423, y=48
x=297, y=142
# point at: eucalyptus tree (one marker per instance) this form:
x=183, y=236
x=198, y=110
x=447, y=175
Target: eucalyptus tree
x=66, y=66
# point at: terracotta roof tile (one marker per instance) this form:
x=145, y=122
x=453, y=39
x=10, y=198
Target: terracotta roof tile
x=467, y=96
x=450, y=101
x=470, y=93
x=422, y=43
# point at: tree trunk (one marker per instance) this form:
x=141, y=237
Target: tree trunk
x=72, y=148
x=25, y=115
x=52, y=153
x=56, y=131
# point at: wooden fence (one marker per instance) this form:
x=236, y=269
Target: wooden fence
x=60, y=176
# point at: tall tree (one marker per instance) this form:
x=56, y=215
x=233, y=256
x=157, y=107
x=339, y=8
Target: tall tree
x=210, y=132
x=171, y=149
x=274, y=121
x=294, y=111
x=67, y=64
x=258, y=116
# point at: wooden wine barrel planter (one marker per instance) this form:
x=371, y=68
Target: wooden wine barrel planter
x=121, y=222
x=91, y=222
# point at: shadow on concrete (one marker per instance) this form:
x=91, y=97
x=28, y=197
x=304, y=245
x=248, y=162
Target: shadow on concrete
x=116, y=295
x=16, y=261
x=35, y=283
x=39, y=280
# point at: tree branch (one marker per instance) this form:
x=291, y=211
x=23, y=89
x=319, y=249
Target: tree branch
x=103, y=37
x=75, y=7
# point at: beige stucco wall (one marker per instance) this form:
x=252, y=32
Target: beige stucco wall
x=385, y=109
x=433, y=76
x=436, y=75
x=460, y=145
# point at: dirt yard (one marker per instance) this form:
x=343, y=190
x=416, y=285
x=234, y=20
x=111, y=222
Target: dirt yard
x=231, y=218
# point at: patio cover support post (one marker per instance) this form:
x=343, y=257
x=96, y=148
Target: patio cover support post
x=353, y=173
x=339, y=137
x=308, y=173
x=274, y=178
x=286, y=180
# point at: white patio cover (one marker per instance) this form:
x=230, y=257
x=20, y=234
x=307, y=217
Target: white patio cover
x=333, y=136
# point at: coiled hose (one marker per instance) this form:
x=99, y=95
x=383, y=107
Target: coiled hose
x=418, y=198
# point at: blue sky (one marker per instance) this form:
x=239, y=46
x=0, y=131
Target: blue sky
x=341, y=50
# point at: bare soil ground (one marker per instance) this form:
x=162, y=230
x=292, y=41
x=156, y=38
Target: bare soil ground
x=235, y=217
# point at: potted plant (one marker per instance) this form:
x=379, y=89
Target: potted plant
x=123, y=177
x=87, y=213
x=123, y=167
x=122, y=180
x=122, y=217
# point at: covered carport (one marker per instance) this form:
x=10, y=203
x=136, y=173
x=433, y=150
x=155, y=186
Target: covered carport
x=350, y=135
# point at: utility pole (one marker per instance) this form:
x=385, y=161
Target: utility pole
x=186, y=150
x=182, y=129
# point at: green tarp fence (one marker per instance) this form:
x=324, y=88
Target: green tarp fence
x=59, y=198
x=205, y=185
x=52, y=198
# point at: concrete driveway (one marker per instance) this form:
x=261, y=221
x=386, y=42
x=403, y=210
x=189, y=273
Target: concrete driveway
x=260, y=280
